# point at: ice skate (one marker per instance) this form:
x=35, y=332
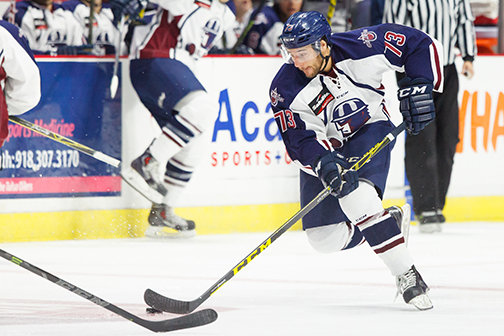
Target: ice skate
x=429, y=222
x=144, y=177
x=402, y=216
x=164, y=223
x=413, y=289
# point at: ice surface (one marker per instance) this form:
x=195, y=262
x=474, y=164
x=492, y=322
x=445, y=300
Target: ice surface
x=287, y=290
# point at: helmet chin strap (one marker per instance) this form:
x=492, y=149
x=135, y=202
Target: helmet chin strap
x=324, y=63
x=325, y=60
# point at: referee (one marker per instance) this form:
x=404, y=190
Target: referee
x=429, y=155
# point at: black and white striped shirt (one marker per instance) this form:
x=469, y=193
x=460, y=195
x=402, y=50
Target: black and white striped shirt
x=448, y=21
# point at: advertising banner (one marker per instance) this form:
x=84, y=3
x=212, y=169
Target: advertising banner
x=76, y=104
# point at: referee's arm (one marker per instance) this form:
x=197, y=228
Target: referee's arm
x=466, y=37
x=396, y=11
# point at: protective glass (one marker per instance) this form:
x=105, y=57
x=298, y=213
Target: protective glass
x=300, y=55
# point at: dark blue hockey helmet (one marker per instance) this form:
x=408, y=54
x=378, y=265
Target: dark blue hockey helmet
x=304, y=28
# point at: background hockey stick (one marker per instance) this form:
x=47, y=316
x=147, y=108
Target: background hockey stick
x=248, y=27
x=65, y=141
x=196, y=319
x=114, y=82
x=160, y=302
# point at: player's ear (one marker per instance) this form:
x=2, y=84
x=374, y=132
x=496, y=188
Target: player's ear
x=324, y=47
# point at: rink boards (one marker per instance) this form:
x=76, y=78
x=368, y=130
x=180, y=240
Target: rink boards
x=245, y=181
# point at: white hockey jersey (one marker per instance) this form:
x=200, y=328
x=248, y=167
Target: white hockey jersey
x=182, y=30
x=104, y=33
x=47, y=29
x=19, y=76
x=320, y=114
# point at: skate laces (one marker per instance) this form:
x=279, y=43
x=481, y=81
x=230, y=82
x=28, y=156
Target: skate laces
x=407, y=280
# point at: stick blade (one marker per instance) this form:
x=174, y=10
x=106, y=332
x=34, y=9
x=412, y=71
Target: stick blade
x=196, y=319
x=163, y=303
x=114, y=83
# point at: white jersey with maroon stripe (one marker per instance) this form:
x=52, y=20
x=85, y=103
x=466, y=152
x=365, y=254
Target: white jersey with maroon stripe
x=181, y=29
x=318, y=114
x=19, y=76
x=45, y=29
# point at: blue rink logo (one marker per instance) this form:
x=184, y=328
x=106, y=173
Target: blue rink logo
x=350, y=115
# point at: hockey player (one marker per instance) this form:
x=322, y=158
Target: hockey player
x=328, y=103
x=104, y=34
x=19, y=76
x=49, y=28
x=163, y=54
x=263, y=37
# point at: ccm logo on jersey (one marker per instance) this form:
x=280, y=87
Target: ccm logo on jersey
x=412, y=91
x=320, y=102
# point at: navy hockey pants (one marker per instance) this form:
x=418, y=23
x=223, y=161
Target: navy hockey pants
x=375, y=171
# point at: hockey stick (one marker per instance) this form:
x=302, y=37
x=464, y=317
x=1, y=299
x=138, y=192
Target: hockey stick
x=162, y=303
x=247, y=28
x=65, y=141
x=114, y=82
x=196, y=319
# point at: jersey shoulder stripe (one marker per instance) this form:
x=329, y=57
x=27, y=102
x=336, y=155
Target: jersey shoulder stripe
x=18, y=36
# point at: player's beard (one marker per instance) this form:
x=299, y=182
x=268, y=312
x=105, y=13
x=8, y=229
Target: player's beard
x=312, y=70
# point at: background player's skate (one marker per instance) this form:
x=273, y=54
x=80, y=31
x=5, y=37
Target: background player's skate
x=163, y=223
x=144, y=176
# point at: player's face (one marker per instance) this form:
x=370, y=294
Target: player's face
x=306, y=59
x=289, y=7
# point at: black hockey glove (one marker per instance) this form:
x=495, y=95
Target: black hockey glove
x=416, y=103
x=333, y=170
x=132, y=9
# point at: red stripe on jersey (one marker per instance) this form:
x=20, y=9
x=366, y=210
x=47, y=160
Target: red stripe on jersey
x=328, y=146
x=178, y=143
x=4, y=114
x=389, y=246
x=438, y=68
x=164, y=38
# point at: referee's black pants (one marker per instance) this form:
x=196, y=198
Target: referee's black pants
x=429, y=155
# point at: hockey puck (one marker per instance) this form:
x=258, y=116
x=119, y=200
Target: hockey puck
x=151, y=310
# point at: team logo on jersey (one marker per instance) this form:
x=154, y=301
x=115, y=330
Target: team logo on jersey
x=350, y=115
x=211, y=29
x=275, y=97
x=320, y=102
x=367, y=37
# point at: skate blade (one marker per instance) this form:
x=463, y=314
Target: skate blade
x=134, y=180
x=405, y=223
x=162, y=232
x=429, y=228
x=422, y=302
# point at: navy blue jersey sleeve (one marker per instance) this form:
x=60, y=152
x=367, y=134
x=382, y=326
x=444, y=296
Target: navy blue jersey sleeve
x=395, y=46
x=297, y=126
x=262, y=24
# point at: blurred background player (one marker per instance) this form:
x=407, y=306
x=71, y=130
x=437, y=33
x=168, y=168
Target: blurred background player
x=429, y=155
x=19, y=76
x=164, y=52
x=242, y=10
x=102, y=33
x=328, y=101
x=49, y=28
x=264, y=36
